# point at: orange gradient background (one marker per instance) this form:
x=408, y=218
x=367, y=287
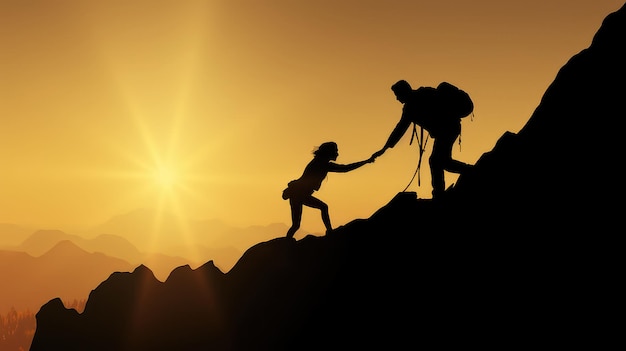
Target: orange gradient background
x=206, y=109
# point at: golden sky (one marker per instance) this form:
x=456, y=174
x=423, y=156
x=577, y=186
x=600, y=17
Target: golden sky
x=206, y=109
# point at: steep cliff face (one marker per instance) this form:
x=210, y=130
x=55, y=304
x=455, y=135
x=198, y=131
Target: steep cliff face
x=561, y=165
x=516, y=255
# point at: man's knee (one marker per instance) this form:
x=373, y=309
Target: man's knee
x=438, y=161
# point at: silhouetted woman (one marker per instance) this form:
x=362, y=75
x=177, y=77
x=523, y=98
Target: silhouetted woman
x=300, y=191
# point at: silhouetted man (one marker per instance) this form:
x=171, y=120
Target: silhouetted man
x=421, y=107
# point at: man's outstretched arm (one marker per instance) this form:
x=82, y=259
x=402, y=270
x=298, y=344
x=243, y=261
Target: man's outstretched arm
x=395, y=136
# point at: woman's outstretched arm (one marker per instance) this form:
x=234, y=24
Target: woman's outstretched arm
x=341, y=168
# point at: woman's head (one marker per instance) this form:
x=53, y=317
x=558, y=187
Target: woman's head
x=327, y=150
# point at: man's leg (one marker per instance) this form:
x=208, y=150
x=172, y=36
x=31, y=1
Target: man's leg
x=455, y=166
x=439, y=159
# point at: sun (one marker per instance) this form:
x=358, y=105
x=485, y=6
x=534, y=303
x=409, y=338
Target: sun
x=166, y=177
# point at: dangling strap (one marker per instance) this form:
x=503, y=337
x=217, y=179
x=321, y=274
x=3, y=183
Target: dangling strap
x=422, y=146
x=422, y=143
x=471, y=119
x=460, y=129
x=414, y=134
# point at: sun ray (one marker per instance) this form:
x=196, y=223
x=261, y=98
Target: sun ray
x=164, y=174
x=160, y=165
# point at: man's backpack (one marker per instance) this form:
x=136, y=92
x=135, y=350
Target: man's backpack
x=451, y=103
x=454, y=102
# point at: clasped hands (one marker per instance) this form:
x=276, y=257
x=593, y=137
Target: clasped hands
x=375, y=155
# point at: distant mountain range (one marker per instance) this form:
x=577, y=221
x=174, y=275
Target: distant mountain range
x=64, y=271
x=13, y=234
x=152, y=231
x=29, y=258
x=515, y=255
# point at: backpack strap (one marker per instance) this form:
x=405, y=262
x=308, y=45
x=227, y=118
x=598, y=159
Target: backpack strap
x=460, y=130
x=422, y=146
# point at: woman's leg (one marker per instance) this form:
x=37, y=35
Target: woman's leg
x=314, y=202
x=296, y=217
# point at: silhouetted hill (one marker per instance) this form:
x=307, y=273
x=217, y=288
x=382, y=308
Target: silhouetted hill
x=201, y=240
x=114, y=246
x=42, y=241
x=207, y=239
x=517, y=256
